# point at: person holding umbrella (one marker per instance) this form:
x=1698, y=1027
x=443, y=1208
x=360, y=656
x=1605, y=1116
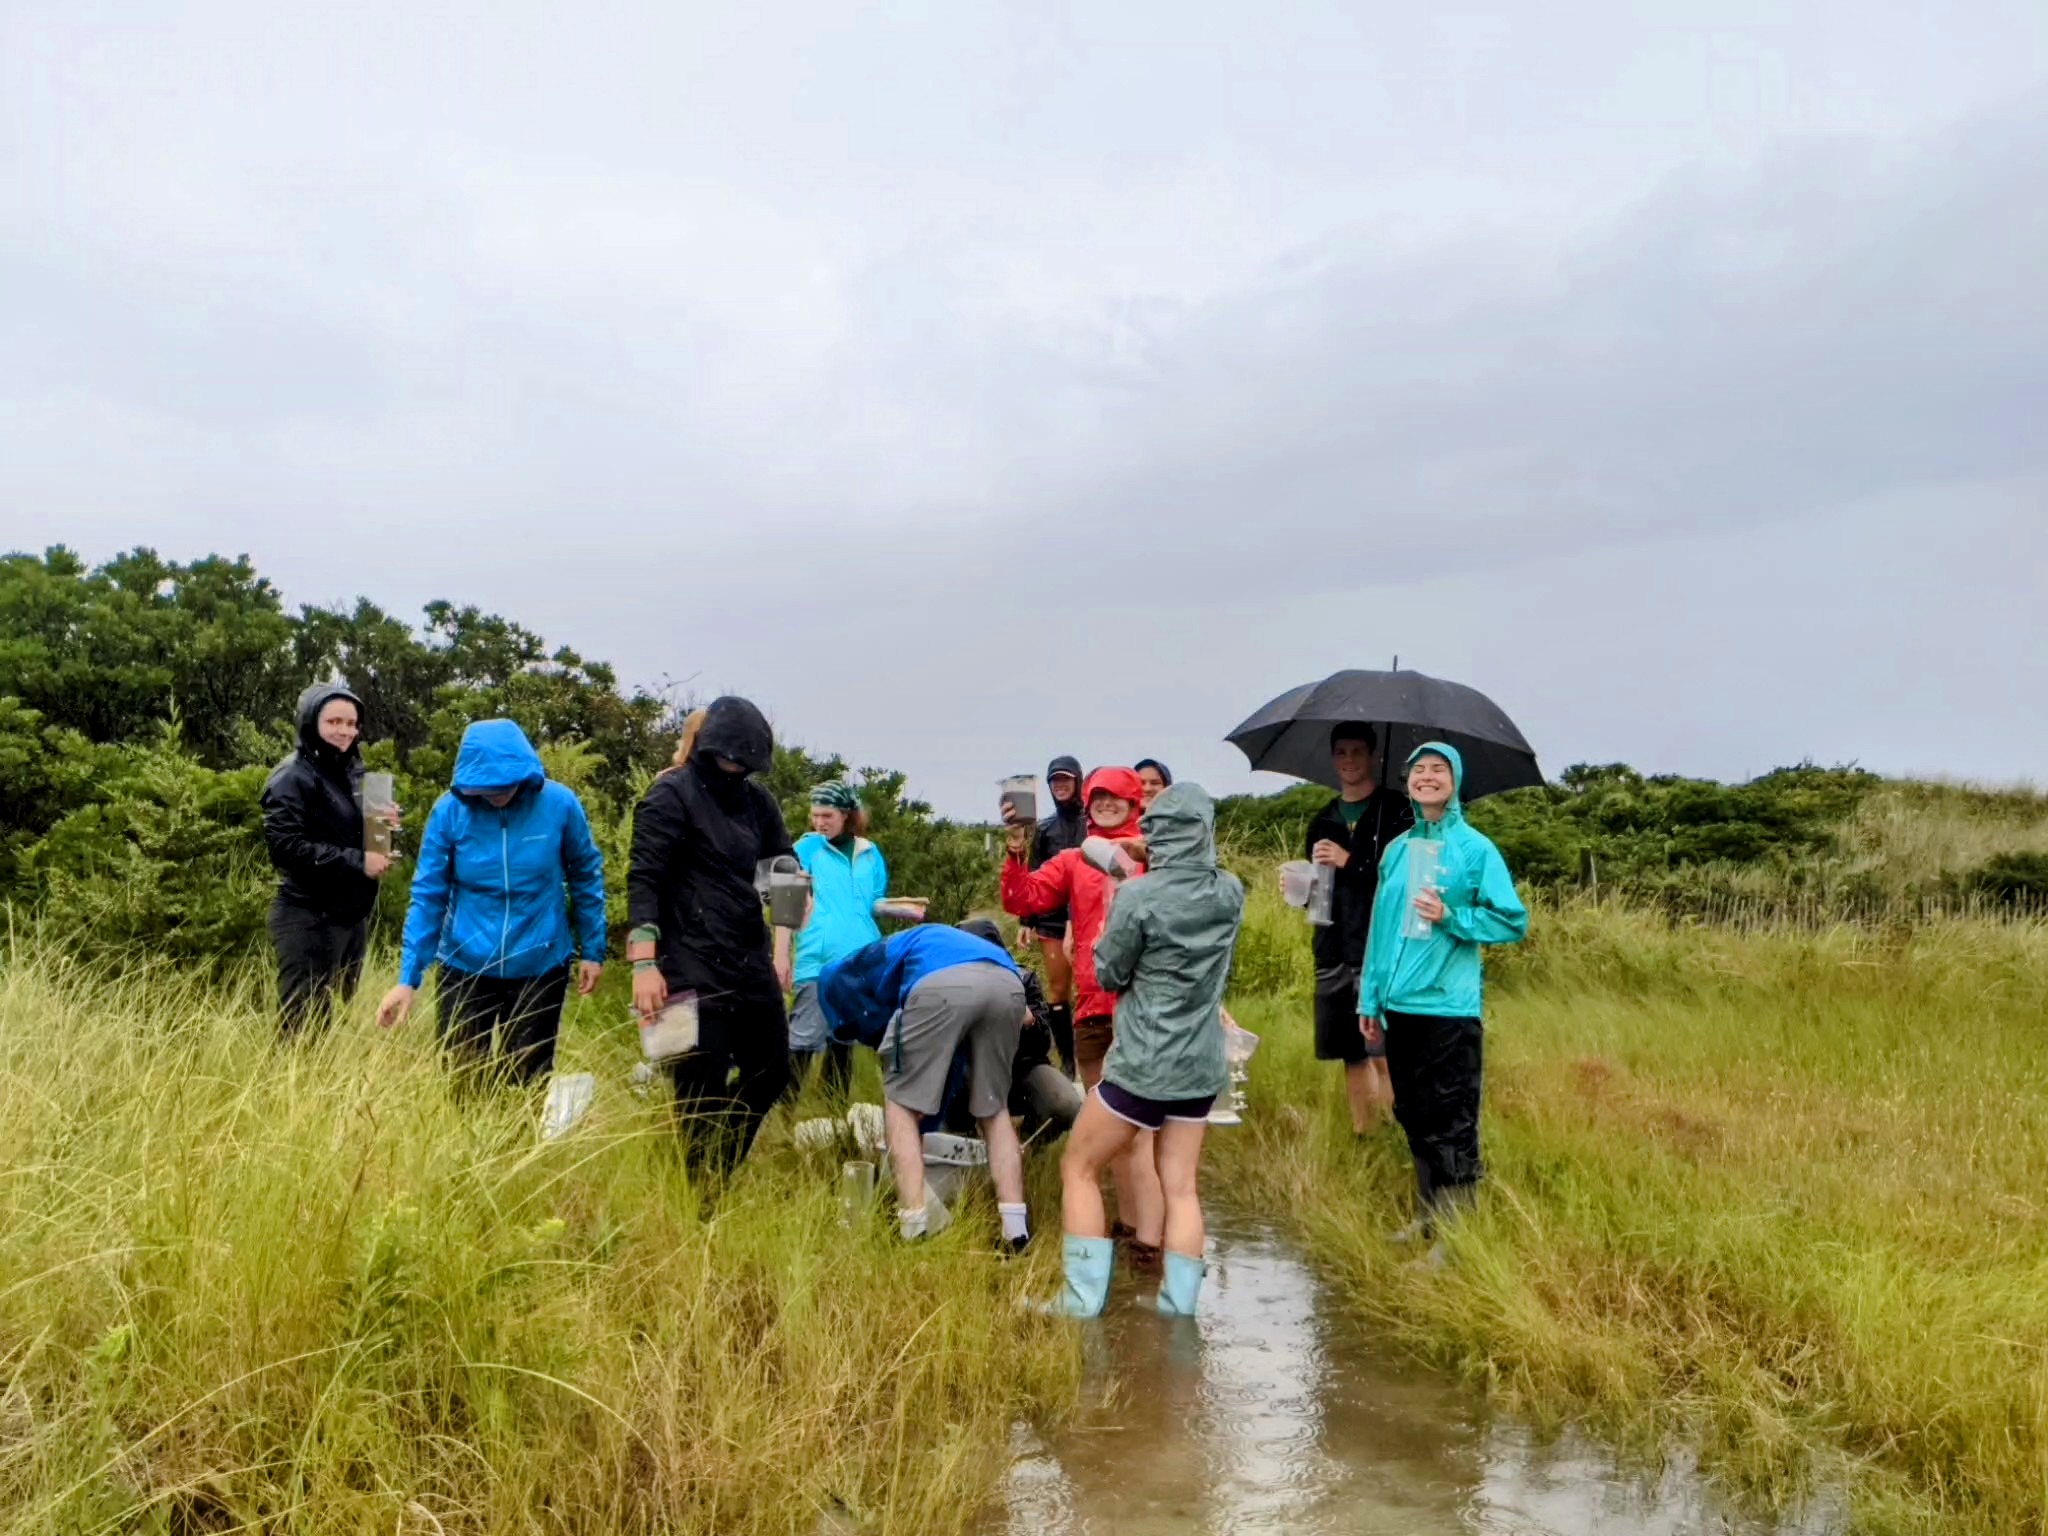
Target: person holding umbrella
x=1444, y=892
x=1349, y=836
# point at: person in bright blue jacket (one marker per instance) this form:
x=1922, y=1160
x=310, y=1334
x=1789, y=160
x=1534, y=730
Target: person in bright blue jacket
x=509, y=888
x=1444, y=892
x=849, y=878
x=921, y=998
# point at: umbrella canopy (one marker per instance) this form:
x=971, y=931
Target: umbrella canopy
x=1292, y=734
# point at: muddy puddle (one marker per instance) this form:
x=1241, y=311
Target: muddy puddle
x=1272, y=1412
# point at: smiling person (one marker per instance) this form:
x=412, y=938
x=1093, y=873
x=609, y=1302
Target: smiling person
x=1422, y=983
x=1068, y=882
x=1349, y=835
x=1055, y=834
x=313, y=827
x=848, y=877
x=510, y=887
x=1154, y=777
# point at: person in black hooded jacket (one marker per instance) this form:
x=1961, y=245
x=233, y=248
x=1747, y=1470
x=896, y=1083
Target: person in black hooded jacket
x=320, y=920
x=1066, y=827
x=699, y=834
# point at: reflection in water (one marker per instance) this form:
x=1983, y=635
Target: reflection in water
x=1269, y=1414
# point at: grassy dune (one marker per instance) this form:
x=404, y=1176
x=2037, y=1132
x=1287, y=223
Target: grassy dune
x=245, y=1288
x=1780, y=1193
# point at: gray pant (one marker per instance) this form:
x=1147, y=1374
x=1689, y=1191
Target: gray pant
x=978, y=1002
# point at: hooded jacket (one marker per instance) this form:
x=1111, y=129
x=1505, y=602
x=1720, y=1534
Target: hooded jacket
x=698, y=834
x=1068, y=881
x=487, y=896
x=1439, y=975
x=844, y=890
x=1385, y=816
x=862, y=992
x=311, y=821
x=1068, y=824
x=1166, y=949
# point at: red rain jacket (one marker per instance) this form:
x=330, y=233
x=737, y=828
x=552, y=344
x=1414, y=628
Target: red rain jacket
x=1070, y=881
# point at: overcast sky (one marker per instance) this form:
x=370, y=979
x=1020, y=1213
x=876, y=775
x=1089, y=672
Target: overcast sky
x=970, y=383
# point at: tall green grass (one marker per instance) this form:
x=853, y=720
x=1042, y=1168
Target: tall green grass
x=315, y=1290
x=1777, y=1192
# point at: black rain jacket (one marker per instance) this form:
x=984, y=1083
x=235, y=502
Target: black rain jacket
x=312, y=823
x=698, y=835
x=1387, y=816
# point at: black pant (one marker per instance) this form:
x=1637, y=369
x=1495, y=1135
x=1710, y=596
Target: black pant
x=725, y=1091
x=525, y=1012
x=1434, y=1065
x=317, y=957
x=836, y=1076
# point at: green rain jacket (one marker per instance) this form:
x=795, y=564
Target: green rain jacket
x=1439, y=975
x=1165, y=951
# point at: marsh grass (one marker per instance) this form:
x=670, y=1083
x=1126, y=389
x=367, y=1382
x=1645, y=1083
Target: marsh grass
x=1778, y=1192
x=315, y=1290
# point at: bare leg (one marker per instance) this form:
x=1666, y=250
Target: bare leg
x=1138, y=1200
x=1180, y=1163
x=1382, y=1088
x=1059, y=970
x=1005, y=1158
x=1097, y=1139
x=1358, y=1088
x=906, y=1154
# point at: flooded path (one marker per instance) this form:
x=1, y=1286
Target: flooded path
x=1272, y=1413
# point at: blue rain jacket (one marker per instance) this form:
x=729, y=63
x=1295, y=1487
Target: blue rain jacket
x=843, y=896
x=1439, y=975
x=862, y=992
x=488, y=897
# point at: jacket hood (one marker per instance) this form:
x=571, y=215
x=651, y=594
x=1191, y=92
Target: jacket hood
x=736, y=730
x=1454, y=812
x=982, y=928
x=311, y=702
x=1180, y=829
x=1122, y=783
x=1070, y=766
x=496, y=755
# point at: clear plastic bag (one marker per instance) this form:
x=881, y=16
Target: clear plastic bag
x=674, y=1030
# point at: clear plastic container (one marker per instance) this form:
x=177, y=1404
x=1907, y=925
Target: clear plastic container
x=379, y=796
x=856, y=1191
x=1322, y=896
x=569, y=1099
x=1020, y=799
x=674, y=1030
x=1103, y=853
x=1425, y=865
x=1297, y=882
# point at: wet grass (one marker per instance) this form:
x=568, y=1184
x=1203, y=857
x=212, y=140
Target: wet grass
x=1780, y=1194
x=313, y=1291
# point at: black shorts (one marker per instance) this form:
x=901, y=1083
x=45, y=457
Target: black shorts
x=1338, y=1037
x=1150, y=1114
x=1049, y=925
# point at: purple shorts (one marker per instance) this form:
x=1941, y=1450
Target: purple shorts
x=1150, y=1114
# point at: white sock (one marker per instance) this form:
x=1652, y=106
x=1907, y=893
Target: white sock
x=911, y=1223
x=1016, y=1222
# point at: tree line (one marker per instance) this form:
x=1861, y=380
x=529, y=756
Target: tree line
x=143, y=702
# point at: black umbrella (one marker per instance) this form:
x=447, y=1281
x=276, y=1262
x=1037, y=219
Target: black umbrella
x=1292, y=734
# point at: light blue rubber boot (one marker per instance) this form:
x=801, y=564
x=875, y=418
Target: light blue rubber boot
x=1181, y=1286
x=1088, y=1261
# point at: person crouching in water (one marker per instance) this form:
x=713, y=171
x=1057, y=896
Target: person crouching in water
x=1165, y=949
x=1068, y=881
x=1444, y=891
x=919, y=998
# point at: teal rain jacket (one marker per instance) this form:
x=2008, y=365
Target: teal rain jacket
x=488, y=896
x=843, y=895
x=1439, y=975
x=1165, y=951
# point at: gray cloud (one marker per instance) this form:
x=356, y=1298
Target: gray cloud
x=1074, y=376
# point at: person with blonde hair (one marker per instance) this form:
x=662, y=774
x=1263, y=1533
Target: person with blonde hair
x=700, y=832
